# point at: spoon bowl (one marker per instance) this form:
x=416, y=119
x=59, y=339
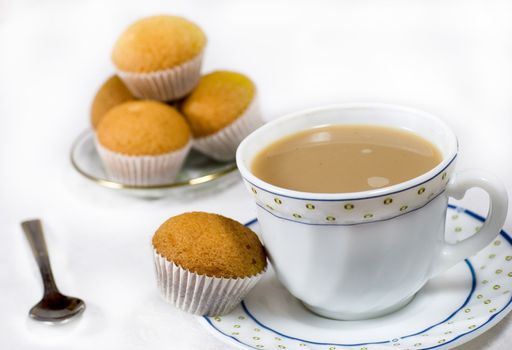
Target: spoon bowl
x=57, y=308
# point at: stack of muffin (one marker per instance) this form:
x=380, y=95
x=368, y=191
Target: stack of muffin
x=158, y=107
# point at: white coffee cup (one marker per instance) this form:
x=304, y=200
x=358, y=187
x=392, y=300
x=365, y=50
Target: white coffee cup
x=364, y=254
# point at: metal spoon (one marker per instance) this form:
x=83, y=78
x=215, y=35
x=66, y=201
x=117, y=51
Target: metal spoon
x=54, y=307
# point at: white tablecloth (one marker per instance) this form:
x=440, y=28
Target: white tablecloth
x=452, y=58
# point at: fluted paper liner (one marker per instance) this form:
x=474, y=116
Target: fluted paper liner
x=164, y=85
x=223, y=144
x=200, y=294
x=142, y=170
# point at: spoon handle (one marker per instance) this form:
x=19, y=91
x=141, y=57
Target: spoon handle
x=34, y=233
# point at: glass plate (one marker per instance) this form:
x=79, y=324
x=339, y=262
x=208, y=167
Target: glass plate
x=198, y=170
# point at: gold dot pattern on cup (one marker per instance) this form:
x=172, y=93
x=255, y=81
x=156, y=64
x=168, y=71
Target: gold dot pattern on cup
x=509, y=274
x=310, y=206
x=485, y=281
x=472, y=326
x=281, y=347
x=256, y=338
x=467, y=310
x=417, y=344
x=421, y=190
x=443, y=176
x=492, y=310
x=508, y=257
x=498, y=271
x=497, y=243
x=349, y=206
x=259, y=346
x=368, y=216
x=217, y=318
x=278, y=201
x=235, y=333
x=441, y=341
x=297, y=216
x=496, y=287
x=330, y=218
x=479, y=296
x=254, y=190
x=236, y=326
x=241, y=317
x=487, y=302
x=388, y=201
x=403, y=208
x=270, y=207
x=458, y=229
x=455, y=217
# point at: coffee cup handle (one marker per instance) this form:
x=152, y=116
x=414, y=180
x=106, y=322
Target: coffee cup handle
x=453, y=253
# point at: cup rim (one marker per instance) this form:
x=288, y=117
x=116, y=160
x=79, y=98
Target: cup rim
x=340, y=196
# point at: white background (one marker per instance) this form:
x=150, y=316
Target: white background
x=452, y=58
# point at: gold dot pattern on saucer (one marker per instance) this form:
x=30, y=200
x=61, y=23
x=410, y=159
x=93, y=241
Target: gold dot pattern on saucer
x=490, y=297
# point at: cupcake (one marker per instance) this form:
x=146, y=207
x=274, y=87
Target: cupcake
x=143, y=142
x=206, y=263
x=112, y=93
x=221, y=111
x=160, y=57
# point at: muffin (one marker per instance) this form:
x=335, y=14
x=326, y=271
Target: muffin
x=206, y=263
x=221, y=111
x=160, y=57
x=143, y=142
x=112, y=93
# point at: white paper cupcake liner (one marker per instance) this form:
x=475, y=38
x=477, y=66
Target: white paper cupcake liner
x=200, y=294
x=164, y=85
x=142, y=170
x=223, y=144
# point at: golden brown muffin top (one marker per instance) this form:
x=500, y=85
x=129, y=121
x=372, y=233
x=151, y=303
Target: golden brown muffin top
x=156, y=43
x=143, y=128
x=210, y=244
x=112, y=93
x=217, y=101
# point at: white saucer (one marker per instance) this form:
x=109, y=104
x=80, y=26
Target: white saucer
x=450, y=310
x=198, y=170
